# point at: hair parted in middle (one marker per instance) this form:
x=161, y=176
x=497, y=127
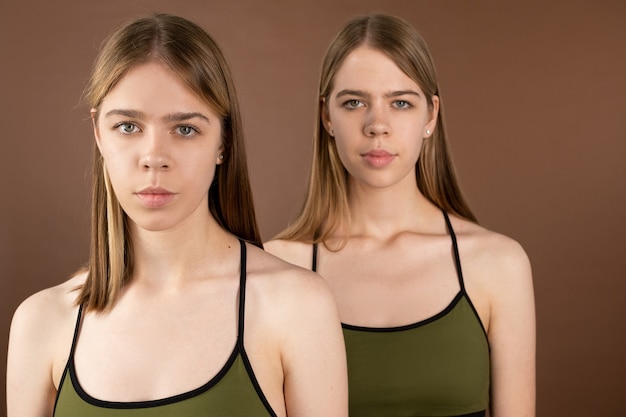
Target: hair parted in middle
x=187, y=50
x=325, y=207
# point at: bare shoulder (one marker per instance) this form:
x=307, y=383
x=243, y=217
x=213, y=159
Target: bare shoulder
x=274, y=270
x=50, y=304
x=288, y=285
x=489, y=251
x=291, y=316
x=294, y=252
x=498, y=278
x=496, y=271
x=39, y=344
x=46, y=315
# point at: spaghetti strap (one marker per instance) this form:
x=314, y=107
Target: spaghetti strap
x=314, y=262
x=79, y=318
x=457, y=258
x=242, y=294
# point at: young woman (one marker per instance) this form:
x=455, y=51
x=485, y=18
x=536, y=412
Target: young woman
x=438, y=312
x=179, y=312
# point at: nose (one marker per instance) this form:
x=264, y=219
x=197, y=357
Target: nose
x=377, y=123
x=155, y=155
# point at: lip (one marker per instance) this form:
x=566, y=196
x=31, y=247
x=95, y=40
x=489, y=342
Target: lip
x=155, y=197
x=378, y=158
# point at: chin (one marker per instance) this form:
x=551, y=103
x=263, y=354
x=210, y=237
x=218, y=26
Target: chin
x=162, y=224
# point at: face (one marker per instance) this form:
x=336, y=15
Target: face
x=161, y=144
x=379, y=118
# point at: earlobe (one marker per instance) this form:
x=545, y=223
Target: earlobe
x=220, y=155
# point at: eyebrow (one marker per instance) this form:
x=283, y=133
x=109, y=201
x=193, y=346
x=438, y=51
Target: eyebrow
x=173, y=117
x=179, y=117
x=361, y=93
x=126, y=113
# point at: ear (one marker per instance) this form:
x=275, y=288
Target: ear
x=433, y=114
x=220, y=155
x=328, y=125
x=96, y=130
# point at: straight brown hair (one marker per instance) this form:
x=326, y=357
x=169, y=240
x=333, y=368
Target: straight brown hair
x=326, y=204
x=191, y=53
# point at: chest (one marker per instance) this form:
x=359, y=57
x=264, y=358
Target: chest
x=390, y=288
x=436, y=367
x=142, y=351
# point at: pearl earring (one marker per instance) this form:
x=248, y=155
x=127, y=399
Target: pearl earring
x=220, y=156
x=427, y=132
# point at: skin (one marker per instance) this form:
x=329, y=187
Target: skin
x=375, y=106
x=187, y=269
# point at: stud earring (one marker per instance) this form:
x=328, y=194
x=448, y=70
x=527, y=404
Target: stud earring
x=427, y=132
x=332, y=132
x=220, y=157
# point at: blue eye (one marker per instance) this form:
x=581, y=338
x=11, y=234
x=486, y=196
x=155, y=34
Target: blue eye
x=126, y=128
x=353, y=104
x=402, y=104
x=186, y=130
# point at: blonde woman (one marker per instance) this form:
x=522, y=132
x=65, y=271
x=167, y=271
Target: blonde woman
x=179, y=311
x=437, y=311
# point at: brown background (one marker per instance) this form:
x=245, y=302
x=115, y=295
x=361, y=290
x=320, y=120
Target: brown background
x=534, y=96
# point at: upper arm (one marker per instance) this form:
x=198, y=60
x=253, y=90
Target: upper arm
x=30, y=386
x=512, y=334
x=313, y=356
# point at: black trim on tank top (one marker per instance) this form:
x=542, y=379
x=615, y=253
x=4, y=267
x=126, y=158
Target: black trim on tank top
x=455, y=247
x=240, y=332
x=237, y=350
x=243, y=267
x=457, y=260
x=125, y=405
x=462, y=293
x=314, y=261
x=476, y=414
x=458, y=297
x=70, y=359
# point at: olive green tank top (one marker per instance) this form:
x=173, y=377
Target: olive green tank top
x=233, y=392
x=435, y=367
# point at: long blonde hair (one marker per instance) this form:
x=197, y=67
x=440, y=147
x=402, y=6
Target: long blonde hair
x=326, y=205
x=192, y=54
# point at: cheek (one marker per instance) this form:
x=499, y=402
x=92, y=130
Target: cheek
x=199, y=171
x=117, y=172
x=346, y=153
x=117, y=165
x=342, y=123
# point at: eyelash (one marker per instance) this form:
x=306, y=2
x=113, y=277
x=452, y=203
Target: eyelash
x=407, y=105
x=353, y=104
x=194, y=130
x=119, y=127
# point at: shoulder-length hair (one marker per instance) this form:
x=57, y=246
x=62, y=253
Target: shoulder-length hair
x=325, y=208
x=193, y=55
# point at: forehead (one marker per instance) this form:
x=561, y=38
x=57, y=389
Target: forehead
x=367, y=68
x=154, y=87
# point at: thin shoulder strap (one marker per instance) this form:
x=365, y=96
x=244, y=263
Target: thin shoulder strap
x=79, y=318
x=314, y=262
x=242, y=294
x=457, y=258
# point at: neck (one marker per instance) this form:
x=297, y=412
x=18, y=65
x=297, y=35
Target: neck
x=193, y=249
x=383, y=213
